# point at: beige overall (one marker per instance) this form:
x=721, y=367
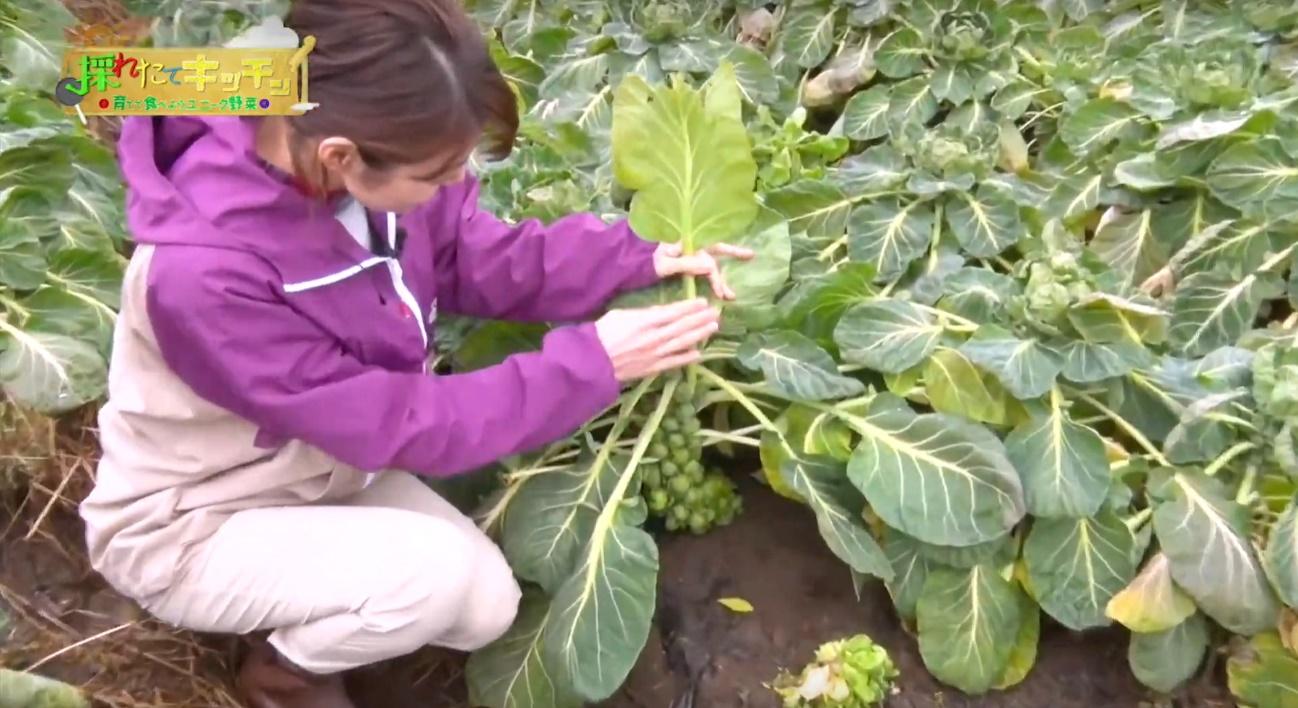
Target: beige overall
x=209, y=531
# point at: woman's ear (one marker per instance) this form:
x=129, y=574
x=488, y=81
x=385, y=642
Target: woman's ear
x=338, y=155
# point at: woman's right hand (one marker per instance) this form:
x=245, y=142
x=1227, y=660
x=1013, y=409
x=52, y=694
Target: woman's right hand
x=650, y=340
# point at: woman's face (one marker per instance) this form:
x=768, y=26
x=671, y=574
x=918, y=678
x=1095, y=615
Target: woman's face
x=398, y=187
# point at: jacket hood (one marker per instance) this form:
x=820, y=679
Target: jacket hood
x=197, y=180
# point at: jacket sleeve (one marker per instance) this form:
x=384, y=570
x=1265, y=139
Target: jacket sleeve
x=228, y=334
x=565, y=271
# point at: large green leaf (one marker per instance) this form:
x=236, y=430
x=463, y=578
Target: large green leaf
x=909, y=571
x=823, y=484
x=901, y=54
x=1126, y=242
x=954, y=385
x=1236, y=246
x=925, y=279
x=881, y=167
x=21, y=689
x=1027, y=368
x=697, y=56
x=685, y=193
x=756, y=282
x=1089, y=362
x=889, y=235
x=1259, y=178
x=1206, y=539
x=31, y=41
x=1074, y=196
x=551, y=517
x=1203, y=126
x=807, y=35
x=968, y=622
x=814, y=305
x=1097, y=123
x=998, y=552
x=579, y=74
x=817, y=207
x=865, y=116
x=57, y=310
x=493, y=341
x=954, y=82
x=912, y=103
x=1282, y=555
x=1062, y=463
x=1164, y=660
x=1111, y=319
x=1151, y=602
x=886, y=335
x=49, y=372
x=1024, y=654
x=602, y=613
x=795, y=367
x=512, y=671
x=938, y=478
x=757, y=80
x=1213, y=310
x=979, y=294
x=1077, y=565
x=985, y=222
x=1264, y=673
x=1013, y=99
x=1080, y=9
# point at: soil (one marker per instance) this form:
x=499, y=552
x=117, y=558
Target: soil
x=700, y=655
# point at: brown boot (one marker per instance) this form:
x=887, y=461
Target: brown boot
x=268, y=680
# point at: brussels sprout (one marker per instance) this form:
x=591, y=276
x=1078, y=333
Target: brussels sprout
x=963, y=35
x=659, y=500
x=670, y=424
x=681, y=513
x=698, y=524
x=691, y=425
x=1062, y=263
x=673, y=524
x=658, y=450
x=681, y=456
x=671, y=469
x=693, y=495
x=663, y=20
x=651, y=476
x=676, y=440
x=681, y=484
x=694, y=467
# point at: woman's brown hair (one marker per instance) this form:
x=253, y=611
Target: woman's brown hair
x=406, y=80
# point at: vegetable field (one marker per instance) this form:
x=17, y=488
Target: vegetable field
x=1021, y=334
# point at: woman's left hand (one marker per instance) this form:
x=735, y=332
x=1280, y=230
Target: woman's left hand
x=668, y=260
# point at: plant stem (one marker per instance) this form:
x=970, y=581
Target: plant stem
x=1224, y=459
x=14, y=307
x=1246, y=486
x=1275, y=260
x=714, y=437
x=829, y=250
x=599, y=534
x=961, y=324
x=1139, y=518
x=739, y=397
x=1130, y=429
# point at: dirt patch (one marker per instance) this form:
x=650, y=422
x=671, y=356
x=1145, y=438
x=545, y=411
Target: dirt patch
x=699, y=654
x=705, y=656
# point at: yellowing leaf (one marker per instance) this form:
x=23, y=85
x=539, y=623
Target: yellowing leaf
x=736, y=604
x=1151, y=602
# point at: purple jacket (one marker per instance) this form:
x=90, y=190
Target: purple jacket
x=264, y=305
